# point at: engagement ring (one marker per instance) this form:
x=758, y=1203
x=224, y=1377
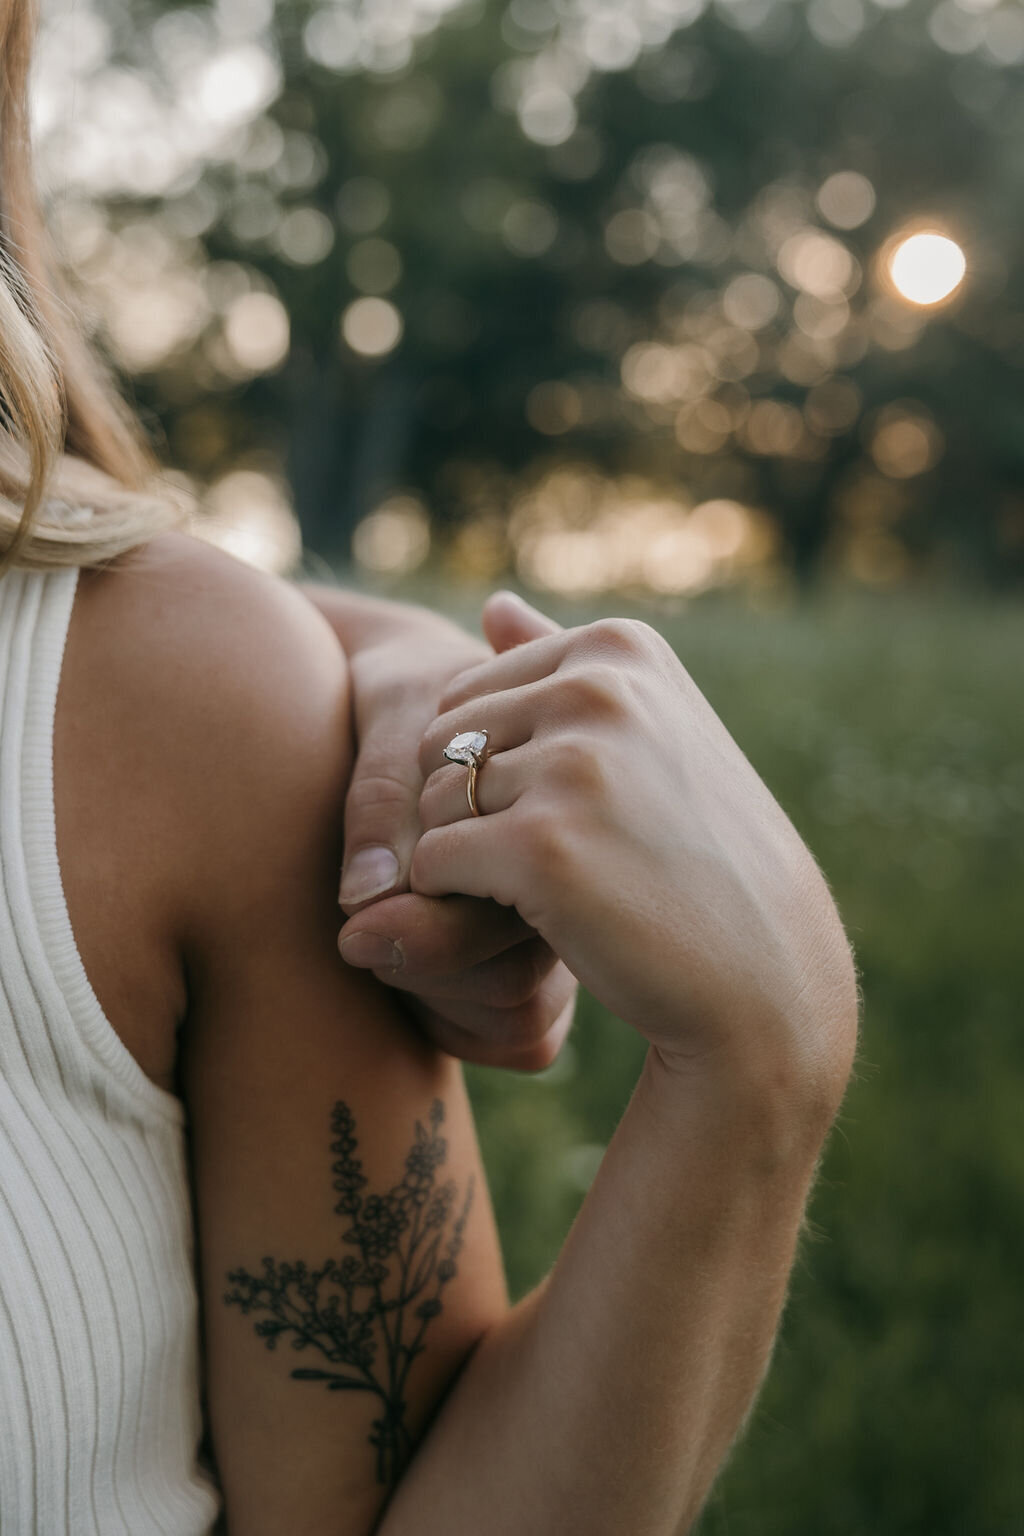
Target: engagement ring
x=468, y=749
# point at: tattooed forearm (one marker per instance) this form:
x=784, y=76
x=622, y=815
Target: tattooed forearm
x=400, y=1270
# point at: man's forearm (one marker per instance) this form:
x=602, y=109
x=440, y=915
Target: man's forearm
x=606, y=1400
x=360, y=620
x=352, y=615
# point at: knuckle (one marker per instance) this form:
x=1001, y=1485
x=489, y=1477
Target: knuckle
x=578, y=766
x=599, y=691
x=382, y=787
x=459, y=689
x=377, y=802
x=541, y=1054
x=615, y=634
x=523, y=1029
x=520, y=978
x=539, y=835
x=623, y=637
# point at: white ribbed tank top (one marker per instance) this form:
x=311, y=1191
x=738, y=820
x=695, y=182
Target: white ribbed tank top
x=99, y=1384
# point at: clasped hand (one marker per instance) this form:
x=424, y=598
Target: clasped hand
x=479, y=981
x=623, y=823
x=622, y=827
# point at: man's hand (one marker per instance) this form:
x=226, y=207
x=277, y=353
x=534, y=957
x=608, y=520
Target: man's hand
x=481, y=983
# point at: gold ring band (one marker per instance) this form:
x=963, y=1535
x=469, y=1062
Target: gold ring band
x=471, y=787
x=468, y=749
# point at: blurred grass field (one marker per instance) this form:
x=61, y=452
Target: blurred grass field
x=891, y=730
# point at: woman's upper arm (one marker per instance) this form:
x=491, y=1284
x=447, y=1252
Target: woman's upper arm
x=348, y=1254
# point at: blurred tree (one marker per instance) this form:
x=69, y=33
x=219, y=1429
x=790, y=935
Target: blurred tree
x=650, y=237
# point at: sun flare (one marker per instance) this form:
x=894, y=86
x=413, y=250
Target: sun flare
x=926, y=268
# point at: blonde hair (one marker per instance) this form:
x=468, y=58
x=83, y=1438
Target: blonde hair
x=78, y=481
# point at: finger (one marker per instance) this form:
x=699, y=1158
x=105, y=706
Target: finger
x=524, y=664
x=478, y=856
x=507, y=717
x=509, y=980
x=381, y=818
x=500, y=780
x=525, y=1039
x=508, y=621
x=433, y=937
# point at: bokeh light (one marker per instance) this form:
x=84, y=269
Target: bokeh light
x=927, y=267
x=374, y=265
x=256, y=329
x=751, y=301
x=304, y=236
x=529, y=227
x=371, y=327
x=363, y=203
x=580, y=533
x=846, y=199
x=905, y=441
x=547, y=115
x=818, y=264
x=395, y=538
x=249, y=514
x=553, y=407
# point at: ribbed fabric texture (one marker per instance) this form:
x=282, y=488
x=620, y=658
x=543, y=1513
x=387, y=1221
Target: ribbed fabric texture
x=99, y=1386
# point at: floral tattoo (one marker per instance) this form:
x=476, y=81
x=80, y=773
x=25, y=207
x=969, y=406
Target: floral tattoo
x=319, y=1308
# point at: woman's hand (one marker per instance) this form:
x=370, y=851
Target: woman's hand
x=481, y=984
x=622, y=822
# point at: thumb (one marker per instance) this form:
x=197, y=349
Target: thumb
x=381, y=818
x=508, y=621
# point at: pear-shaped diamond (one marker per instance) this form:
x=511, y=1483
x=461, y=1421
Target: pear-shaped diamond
x=466, y=748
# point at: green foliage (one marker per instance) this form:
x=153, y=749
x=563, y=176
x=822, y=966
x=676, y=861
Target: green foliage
x=893, y=736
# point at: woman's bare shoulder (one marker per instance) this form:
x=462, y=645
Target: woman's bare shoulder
x=196, y=646
x=202, y=751
x=233, y=692
x=193, y=628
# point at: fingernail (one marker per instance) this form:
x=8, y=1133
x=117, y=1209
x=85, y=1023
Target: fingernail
x=370, y=872
x=371, y=951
